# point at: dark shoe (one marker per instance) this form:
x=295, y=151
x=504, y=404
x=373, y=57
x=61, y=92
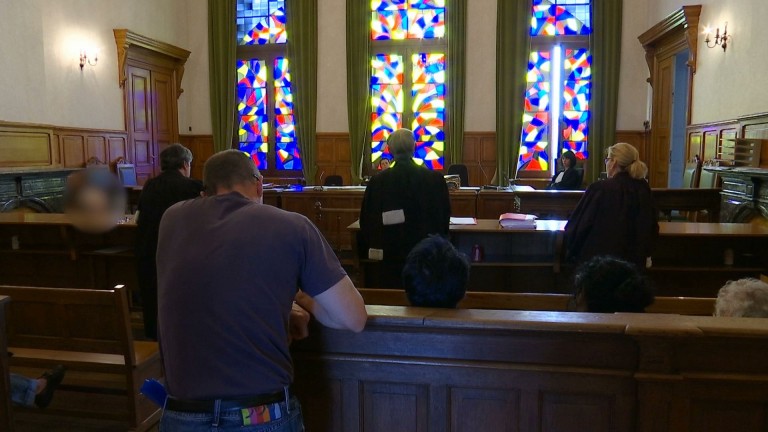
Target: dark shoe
x=53, y=378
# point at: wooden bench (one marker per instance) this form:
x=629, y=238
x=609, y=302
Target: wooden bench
x=89, y=332
x=539, y=302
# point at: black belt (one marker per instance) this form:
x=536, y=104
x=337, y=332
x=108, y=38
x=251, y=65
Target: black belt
x=208, y=406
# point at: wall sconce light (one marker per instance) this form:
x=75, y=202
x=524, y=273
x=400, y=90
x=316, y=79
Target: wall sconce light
x=84, y=58
x=720, y=39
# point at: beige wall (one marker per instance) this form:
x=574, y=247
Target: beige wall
x=732, y=83
x=45, y=84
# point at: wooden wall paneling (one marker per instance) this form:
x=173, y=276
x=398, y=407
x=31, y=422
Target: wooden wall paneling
x=201, y=147
x=334, y=158
x=96, y=146
x=709, y=144
x=395, y=407
x=694, y=145
x=480, y=157
x=73, y=151
x=118, y=148
x=637, y=138
x=27, y=145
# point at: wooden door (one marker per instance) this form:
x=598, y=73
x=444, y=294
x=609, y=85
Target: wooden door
x=139, y=121
x=662, y=122
x=165, y=130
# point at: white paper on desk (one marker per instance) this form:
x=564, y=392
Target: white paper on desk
x=463, y=221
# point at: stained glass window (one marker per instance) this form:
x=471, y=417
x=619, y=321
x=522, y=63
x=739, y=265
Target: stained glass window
x=266, y=122
x=556, y=113
x=407, y=80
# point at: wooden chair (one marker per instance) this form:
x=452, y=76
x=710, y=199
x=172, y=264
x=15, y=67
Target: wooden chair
x=691, y=174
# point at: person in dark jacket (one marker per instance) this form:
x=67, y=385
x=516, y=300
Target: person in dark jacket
x=616, y=216
x=157, y=195
x=401, y=206
x=567, y=178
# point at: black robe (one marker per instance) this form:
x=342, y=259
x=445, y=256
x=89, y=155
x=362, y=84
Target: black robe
x=423, y=197
x=615, y=217
x=571, y=180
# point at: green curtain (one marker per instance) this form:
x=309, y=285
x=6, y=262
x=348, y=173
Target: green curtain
x=302, y=54
x=358, y=71
x=606, y=59
x=512, y=50
x=221, y=68
x=456, y=36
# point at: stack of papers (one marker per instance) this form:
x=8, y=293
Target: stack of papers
x=517, y=220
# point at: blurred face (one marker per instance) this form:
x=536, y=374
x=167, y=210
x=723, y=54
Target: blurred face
x=566, y=162
x=384, y=164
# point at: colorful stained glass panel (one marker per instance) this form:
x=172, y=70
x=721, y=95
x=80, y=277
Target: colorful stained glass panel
x=258, y=152
x=428, y=68
x=251, y=101
x=387, y=69
x=533, y=157
x=426, y=23
x=426, y=4
x=563, y=17
x=287, y=156
x=577, y=64
x=535, y=126
x=378, y=148
x=576, y=125
x=576, y=95
x=283, y=100
x=261, y=22
x=537, y=96
x=282, y=72
x=428, y=97
x=387, y=98
x=285, y=130
x=382, y=125
x=251, y=73
x=253, y=128
x=579, y=148
x=428, y=126
x=387, y=4
x=389, y=24
x=539, y=66
x=430, y=154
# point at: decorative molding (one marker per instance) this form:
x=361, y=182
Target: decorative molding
x=126, y=39
x=683, y=21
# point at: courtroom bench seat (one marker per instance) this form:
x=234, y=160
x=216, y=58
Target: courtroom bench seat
x=89, y=332
x=539, y=302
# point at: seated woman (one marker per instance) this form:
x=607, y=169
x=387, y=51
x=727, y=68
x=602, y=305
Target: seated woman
x=746, y=297
x=608, y=284
x=567, y=178
x=615, y=216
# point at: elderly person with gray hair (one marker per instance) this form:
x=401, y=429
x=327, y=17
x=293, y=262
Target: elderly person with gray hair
x=746, y=297
x=401, y=206
x=159, y=193
x=616, y=216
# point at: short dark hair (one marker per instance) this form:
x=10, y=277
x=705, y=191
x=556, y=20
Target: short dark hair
x=608, y=284
x=174, y=156
x=435, y=274
x=226, y=169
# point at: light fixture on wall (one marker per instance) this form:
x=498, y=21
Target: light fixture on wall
x=91, y=59
x=720, y=39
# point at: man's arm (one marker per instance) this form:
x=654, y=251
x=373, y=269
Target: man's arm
x=340, y=306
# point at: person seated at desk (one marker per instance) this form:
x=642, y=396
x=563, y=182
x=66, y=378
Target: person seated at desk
x=746, y=297
x=567, y=178
x=401, y=206
x=384, y=163
x=608, y=284
x=435, y=274
x=616, y=216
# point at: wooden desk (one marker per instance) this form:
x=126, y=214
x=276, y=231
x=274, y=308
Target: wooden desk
x=688, y=259
x=422, y=369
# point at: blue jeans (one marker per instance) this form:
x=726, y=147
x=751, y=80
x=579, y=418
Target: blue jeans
x=232, y=420
x=23, y=390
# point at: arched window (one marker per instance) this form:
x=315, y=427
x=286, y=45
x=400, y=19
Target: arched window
x=408, y=86
x=265, y=126
x=559, y=82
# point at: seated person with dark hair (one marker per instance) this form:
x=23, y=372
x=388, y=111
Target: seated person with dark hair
x=747, y=297
x=435, y=274
x=608, y=284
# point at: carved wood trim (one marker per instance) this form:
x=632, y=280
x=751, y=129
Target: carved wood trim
x=125, y=39
x=684, y=21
